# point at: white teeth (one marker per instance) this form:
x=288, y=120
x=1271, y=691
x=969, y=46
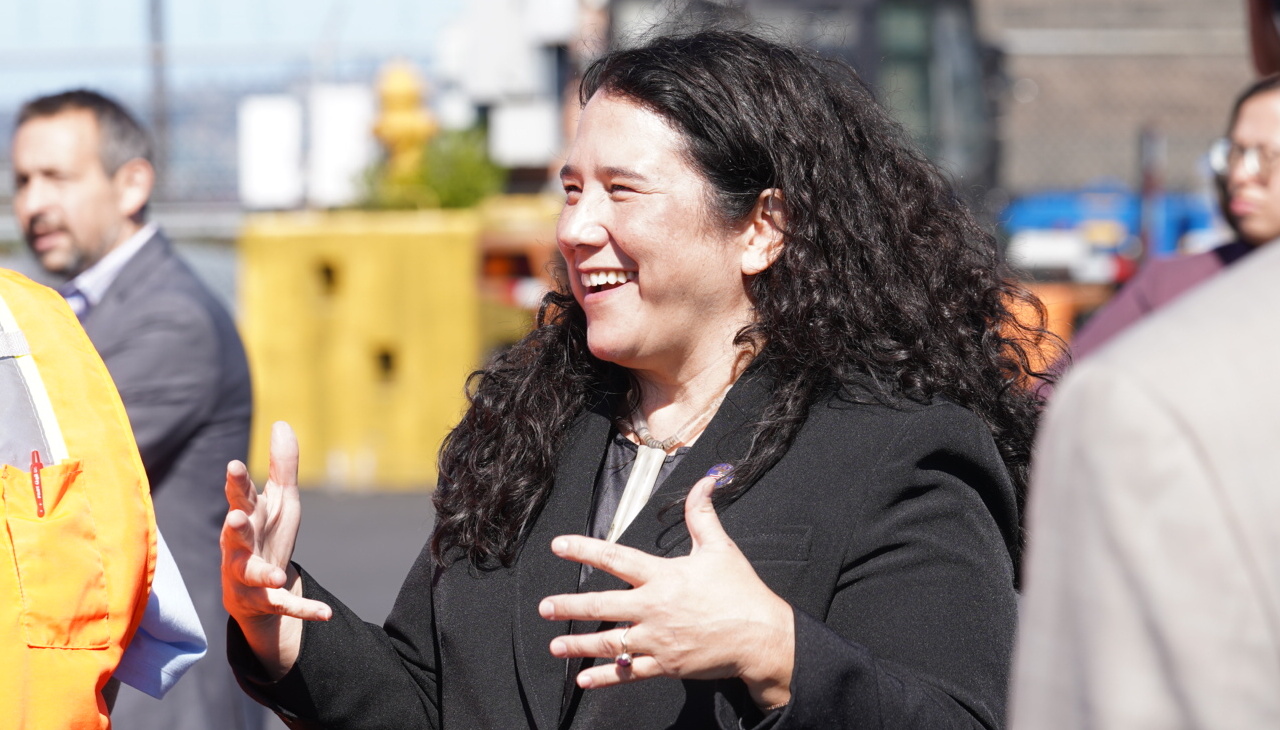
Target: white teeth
x=602, y=278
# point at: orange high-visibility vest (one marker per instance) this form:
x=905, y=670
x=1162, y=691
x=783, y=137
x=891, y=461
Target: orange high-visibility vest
x=74, y=580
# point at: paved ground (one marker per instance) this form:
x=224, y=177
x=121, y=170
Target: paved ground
x=361, y=546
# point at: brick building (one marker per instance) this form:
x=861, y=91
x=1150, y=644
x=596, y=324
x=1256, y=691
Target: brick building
x=1085, y=76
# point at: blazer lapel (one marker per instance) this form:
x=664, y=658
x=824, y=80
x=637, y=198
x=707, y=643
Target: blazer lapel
x=101, y=321
x=540, y=573
x=660, y=527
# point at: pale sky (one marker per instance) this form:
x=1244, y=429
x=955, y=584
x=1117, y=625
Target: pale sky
x=48, y=45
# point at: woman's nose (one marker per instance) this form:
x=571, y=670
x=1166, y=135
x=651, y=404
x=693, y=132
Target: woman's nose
x=581, y=224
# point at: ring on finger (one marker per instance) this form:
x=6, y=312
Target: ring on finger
x=624, y=658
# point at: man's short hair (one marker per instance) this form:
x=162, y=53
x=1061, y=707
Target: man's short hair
x=120, y=137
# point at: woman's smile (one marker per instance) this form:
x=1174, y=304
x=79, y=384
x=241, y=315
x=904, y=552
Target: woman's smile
x=601, y=280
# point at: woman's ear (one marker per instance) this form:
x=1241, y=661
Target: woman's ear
x=765, y=234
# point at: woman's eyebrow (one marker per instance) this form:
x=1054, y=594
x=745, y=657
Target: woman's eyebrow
x=624, y=172
x=607, y=171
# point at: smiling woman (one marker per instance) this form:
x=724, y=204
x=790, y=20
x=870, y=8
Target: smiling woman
x=766, y=285
x=661, y=280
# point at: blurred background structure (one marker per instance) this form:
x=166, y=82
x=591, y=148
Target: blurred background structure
x=372, y=186
x=1107, y=111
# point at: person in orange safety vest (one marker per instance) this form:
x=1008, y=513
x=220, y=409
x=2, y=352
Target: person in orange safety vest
x=80, y=539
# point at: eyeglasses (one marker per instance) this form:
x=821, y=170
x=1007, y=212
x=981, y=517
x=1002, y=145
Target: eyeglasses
x=1253, y=160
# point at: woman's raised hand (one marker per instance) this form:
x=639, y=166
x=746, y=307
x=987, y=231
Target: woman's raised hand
x=704, y=616
x=260, y=589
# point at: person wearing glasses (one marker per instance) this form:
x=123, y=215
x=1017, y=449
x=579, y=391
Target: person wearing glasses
x=1242, y=163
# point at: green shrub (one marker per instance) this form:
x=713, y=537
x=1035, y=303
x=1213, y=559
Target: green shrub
x=456, y=173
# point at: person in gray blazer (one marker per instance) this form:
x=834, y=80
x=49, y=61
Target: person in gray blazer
x=1152, y=586
x=82, y=183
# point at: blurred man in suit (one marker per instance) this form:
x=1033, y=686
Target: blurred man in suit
x=1152, y=581
x=82, y=180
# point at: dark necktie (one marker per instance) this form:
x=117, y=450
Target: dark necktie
x=76, y=299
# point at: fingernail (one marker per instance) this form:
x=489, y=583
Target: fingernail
x=723, y=474
x=547, y=609
x=584, y=681
x=559, y=545
x=557, y=648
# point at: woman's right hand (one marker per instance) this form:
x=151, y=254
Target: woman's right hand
x=260, y=588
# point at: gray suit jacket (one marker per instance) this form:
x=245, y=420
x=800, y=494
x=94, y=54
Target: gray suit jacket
x=177, y=360
x=1153, y=576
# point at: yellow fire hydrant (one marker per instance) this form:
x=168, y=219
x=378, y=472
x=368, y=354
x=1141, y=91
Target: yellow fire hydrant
x=404, y=125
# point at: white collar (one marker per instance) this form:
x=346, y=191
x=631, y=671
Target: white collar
x=94, y=281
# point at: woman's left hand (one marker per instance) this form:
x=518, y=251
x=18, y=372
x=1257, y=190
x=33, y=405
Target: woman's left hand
x=704, y=616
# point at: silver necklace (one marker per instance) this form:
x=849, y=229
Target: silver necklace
x=640, y=427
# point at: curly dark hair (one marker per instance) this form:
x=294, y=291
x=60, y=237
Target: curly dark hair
x=884, y=276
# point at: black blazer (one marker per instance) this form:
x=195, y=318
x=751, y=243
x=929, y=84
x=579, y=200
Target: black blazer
x=888, y=529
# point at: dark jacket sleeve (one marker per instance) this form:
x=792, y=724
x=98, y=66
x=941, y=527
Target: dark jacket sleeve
x=920, y=631
x=352, y=674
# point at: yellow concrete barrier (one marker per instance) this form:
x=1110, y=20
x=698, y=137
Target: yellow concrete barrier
x=361, y=328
